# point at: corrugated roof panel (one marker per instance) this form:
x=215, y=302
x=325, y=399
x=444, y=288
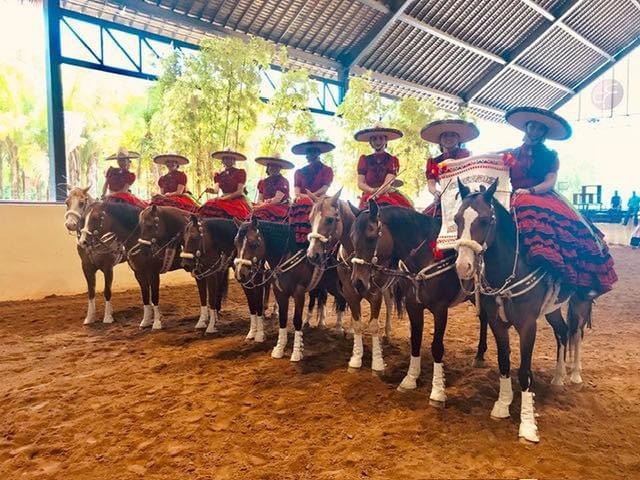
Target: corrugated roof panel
x=515, y=88
x=494, y=26
x=611, y=25
x=560, y=57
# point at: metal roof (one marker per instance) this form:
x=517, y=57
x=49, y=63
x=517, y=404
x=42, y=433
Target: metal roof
x=489, y=55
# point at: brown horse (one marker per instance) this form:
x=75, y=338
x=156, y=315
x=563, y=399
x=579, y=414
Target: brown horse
x=331, y=220
x=513, y=293
x=156, y=252
x=260, y=243
x=105, y=233
x=397, y=242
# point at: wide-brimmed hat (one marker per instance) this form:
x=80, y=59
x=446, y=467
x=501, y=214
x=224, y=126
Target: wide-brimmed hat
x=220, y=154
x=467, y=131
x=558, y=127
x=166, y=157
x=123, y=153
x=378, y=129
x=275, y=160
x=323, y=146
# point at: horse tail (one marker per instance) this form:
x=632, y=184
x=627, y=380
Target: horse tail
x=579, y=314
x=340, y=302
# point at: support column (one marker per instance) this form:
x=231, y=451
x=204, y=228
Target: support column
x=55, y=104
x=343, y=78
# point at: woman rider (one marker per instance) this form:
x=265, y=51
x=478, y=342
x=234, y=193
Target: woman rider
x=173, y=185
x=231, y=181
x=119, y=180
x=273, y=199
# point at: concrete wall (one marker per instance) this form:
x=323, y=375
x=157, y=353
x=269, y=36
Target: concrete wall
x=39, y=258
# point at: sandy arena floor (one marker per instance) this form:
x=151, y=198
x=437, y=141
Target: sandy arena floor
x=114, y=402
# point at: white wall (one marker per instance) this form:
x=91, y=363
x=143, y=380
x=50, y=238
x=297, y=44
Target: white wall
x=39, y=258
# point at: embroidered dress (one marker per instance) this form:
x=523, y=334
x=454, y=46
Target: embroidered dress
x=169, y=183
x=268, y=187
x=228, y=181
x=312, y=178
x=117, y=178
x=375, y=168
x=434, y=210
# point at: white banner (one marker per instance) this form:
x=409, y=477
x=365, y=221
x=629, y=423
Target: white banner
x=473, y=172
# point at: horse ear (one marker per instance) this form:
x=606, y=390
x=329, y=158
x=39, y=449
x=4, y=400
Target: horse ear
x=154, y=208
x=335, y=198
x=464, y=190
x=194, y=220
x=237, y=222
x=86, y=189
x=355, y=210
x=373, y=209
x=254, y=222
x=490, y=192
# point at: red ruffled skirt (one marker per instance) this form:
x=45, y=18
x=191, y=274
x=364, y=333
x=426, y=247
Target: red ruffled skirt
x=125, y=197
x=393, y=197
x=183, y=202
x=272, y=212
x=299, y=218
x=234, y=208
x=555, y=236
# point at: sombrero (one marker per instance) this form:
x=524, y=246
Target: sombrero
x=367, y=133
x=558, y=127
x=123, y=153
x=165, y=157
x=467, y=131
x=301, y=148
x=275, y=160
x=220, y=154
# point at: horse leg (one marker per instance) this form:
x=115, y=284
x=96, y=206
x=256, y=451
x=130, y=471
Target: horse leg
x=143, y=281
x=388, y=308
x=204, y=310
x=528, y=428
x=341, y=307
x=560, y=331
x=415, y=312
x=298, y=345
x=212, y=290
x=90, y=275
x=108, y=308
x=478, y=361
x=438, y=395
x=377, y=360
x=500, y=331
x=250, y=294
x=322, y=307
x=283, y=312
x=259, y=309
x=313, y=298
x=154, y=282
x=356, y=321
x=579, y=315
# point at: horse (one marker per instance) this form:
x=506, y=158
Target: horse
x=396, y=236
x=331, y=220
x=156, y=252
x=105, y=232
x=259, y=243
x=514, y=293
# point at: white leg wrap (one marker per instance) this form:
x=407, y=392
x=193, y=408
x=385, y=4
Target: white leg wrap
x=322, y=314
x=576, y=367
x=437, y=385
x=387, y=324
x=307, y=317
x=91, y=312
x=252, y=329
x=528, y=426
x=213, y=318
x=147, y=316
x=259, y=329
x=298, y=347
x=204, y=318
x=278, y=350
x=561, y=371
x=409, y=381
x=339, y=327
x=356, y=355
x=108, y=312
x=505, y=397
x=377, y=362
x=157, y=318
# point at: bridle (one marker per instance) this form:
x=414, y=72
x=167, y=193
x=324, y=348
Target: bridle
x=201, y=252
x=329, y=245
x=107, y=244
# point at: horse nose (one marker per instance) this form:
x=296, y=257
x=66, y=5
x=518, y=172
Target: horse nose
x=70, y=224
x=464, y=268
x=360, y=286
x=187, y=264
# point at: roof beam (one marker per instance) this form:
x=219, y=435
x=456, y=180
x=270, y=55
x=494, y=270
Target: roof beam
x=377, y=32
x=527, y=44
x=208, y=28
x=636, y=3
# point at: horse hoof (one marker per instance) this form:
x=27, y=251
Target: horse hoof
x=436, y=404
x=478, y=363
x=277, y=352
x=355, y=362
x=377, y=366
x=107, y=319
x=576, y=378
x=201, y=325
x=157, y=326
x=250, y=336
x=296, y=356
x=557, y=382
x=89, y=321
x=211, y=330
x=526, y=441
x=407, y=385
x=500, y=411
x=528, y=433
x=259, y=338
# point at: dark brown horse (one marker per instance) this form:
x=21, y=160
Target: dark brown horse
x=106, y=232
x=260, y=244
x=331, y=220
x=397, y=242
x=156, y=252
x=513, y=293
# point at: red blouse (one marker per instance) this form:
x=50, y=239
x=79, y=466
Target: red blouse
x=117, y=178
x=454, y=154
x=229, y=179
x=532, y=164
x=376, y=167
x=169, y=182
x=313, y=177
x=269, y=186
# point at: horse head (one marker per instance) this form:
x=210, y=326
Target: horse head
x=326, y=227
x=251, y=249
x=193, y=243
x=77, y=202
x=476, y=223
x=161, y=225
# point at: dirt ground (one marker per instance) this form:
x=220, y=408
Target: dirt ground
x=114, y=402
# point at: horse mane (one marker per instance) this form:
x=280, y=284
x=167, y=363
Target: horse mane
x=221, y=228
x=504, y=218
x=127, y=215
x=278, y=237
